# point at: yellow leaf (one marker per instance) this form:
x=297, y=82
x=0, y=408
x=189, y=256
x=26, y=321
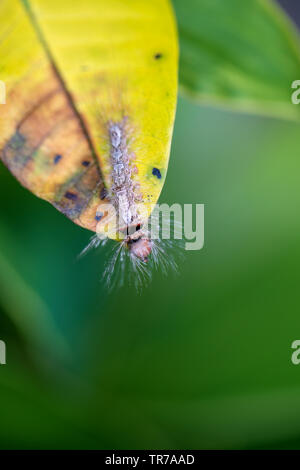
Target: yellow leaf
x=73, y=70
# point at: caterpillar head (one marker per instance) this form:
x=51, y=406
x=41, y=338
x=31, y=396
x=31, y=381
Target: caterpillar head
x=140, y=248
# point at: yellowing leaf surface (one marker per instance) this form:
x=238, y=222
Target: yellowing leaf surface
x=71, y=68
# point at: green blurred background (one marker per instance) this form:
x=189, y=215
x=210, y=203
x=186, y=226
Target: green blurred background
x=201, y=361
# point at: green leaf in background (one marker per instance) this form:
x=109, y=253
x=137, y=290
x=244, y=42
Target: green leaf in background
x=240, y=54
x=29, y=313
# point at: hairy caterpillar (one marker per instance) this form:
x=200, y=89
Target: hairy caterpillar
x=125, y=194
x=131, y=224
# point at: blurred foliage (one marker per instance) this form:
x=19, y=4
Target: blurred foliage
x=201, y=361
x=239, y=54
